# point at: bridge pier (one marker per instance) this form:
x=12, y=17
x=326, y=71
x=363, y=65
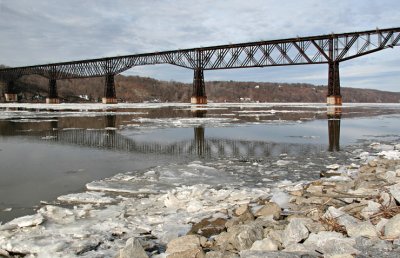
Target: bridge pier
x=199, y=89
x=110, y=96
x=9, y=92
x=53, y=93
x=334, y=97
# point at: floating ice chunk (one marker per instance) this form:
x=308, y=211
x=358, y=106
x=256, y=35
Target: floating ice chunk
x=26, y=221
x=49, y=137
x=333, y=166
x=88, y=197
x=282, y=162
x=390, y=154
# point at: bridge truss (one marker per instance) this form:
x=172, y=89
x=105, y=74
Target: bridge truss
x=328, y=49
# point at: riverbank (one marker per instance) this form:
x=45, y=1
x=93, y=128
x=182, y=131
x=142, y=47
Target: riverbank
x=351, y=210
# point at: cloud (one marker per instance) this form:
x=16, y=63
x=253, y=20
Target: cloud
x=34, y=32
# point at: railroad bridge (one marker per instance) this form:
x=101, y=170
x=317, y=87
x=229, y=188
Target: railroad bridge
x=330, y=49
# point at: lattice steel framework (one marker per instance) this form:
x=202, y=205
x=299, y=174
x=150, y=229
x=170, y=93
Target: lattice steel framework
x=330, y=49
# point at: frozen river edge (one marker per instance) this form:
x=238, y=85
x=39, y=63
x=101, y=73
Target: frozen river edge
x=355, y=206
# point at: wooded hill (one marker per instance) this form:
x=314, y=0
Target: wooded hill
x=139, y=89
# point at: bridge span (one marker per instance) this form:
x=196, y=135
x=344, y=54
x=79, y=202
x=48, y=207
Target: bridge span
x=330, y=49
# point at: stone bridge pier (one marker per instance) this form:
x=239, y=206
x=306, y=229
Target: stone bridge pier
x=52, y=98
x=110, y=96
x=10, y=93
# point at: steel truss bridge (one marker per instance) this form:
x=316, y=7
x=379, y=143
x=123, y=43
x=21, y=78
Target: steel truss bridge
x=328, y=49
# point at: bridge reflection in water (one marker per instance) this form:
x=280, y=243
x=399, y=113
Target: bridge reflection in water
x=200, y=145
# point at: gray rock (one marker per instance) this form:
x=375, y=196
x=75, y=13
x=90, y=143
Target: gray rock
x=218, y=254
x=190, y=253
x=262, y=254
x=392, y=227
x=270, y=208
x=276, y=235
x=395, y=191
x=331, y=243
x=208, y=227
x=241, y=209
x=240, y=237
x=266, y=244
x=362, y=229
x=341, y=217
x=381, y=225
x=294, y=232
x=371, y=209
x=133, y=248
x=295, y=248
x=184, y=243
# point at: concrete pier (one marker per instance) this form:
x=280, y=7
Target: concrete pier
x=52, y=101
x=198, y=100
x=11, y=97
x=106, y=100
x=334, y=100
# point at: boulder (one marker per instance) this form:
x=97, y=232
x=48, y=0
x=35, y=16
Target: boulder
x=330, y=243
x=395, y=191
x=241, y=209
x=295, y=232
x=362, y=229
x=266, y=244
x=218, y=254
x=240, y=237
x=190, y=253
x=270, y=208
x=184, y=243
x=208, y=227
x=392, y=227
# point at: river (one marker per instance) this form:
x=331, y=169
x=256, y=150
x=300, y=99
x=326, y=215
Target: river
x=52, y=150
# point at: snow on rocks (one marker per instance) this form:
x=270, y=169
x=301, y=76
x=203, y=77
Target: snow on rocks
x=157, y=216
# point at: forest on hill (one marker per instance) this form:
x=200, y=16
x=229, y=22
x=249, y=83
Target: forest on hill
x=140, y=89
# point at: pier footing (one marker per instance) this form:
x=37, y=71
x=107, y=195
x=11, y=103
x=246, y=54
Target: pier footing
x=198, y=100
x=52, y=101
x=10, y=97
x=109, y=100
x=334, y=100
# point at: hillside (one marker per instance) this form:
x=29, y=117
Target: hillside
x=139, y=89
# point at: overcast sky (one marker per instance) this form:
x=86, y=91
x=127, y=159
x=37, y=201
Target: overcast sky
x=45, y=31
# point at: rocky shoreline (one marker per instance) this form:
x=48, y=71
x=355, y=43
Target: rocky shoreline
x=351, y=211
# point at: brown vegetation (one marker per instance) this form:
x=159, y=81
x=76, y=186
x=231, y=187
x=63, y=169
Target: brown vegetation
x=139, y=89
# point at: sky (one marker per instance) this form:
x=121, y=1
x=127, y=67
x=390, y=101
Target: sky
x=49, y=31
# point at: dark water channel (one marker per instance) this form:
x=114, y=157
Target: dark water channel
x=48, y=153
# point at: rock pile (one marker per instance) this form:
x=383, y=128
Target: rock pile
x=350, y=211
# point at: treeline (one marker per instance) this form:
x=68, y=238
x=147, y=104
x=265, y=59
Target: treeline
x=139, y=89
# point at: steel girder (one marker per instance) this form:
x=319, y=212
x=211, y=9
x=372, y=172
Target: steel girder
x=332, y=48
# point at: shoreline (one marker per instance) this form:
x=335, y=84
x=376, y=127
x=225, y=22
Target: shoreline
x=100, y=224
